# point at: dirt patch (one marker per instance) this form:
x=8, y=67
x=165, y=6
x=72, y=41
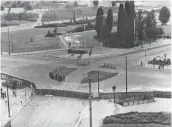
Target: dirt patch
x=93, y=75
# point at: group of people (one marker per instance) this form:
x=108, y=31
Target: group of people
x=14, y=91
x=3, y=94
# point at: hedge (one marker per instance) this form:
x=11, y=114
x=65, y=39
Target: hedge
x=73, y=51
x=81, y=28
x=52, y=25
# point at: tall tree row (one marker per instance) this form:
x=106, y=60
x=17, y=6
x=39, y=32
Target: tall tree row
x=126, y=24
x=99, y=21
x=104, y=24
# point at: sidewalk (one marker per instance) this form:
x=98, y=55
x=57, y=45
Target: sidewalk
x=103, y=52
x=98, y=52
x=16, y=103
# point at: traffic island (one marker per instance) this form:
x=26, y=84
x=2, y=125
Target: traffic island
x=60, y=73
x=93, y=75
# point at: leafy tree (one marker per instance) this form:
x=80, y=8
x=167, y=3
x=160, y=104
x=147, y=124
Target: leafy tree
x=99, y=21
x=121, y=22
x=152, y=32
x=109, y=20
x=95, y=2
x=74, y=19
x=2, y=8
x=14, y=4
x=140, y=28
x=150, y=19
x=164, y=15
x=113, y=3
x=26, y=5
x=55, y=30
x=67, y=6
x=75, y=4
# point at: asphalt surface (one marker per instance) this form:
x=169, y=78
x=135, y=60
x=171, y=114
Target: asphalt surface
x=37, y=70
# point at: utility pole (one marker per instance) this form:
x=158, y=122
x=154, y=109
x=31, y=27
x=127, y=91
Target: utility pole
x=126, y=76
x=8, y=100
x=90, y=102
x=84, y=38
x=8, y=42
x=98, y=86
x=12, y=43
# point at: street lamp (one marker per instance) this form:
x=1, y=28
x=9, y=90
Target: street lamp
x=114, y=88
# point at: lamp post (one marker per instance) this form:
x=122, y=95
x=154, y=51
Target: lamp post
x=114, y=88
x=90, y=96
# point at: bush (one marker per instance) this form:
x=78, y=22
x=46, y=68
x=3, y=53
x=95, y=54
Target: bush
x=52, y=25
x=51, y=75
x=168, y=62
x=49, y=34
x=168, y=37
x=71, y=51
x=81, y=28
x=153, y=32
x=21, y=16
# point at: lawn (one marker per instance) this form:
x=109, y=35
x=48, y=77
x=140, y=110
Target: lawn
x=22, y=40
x=93, y=75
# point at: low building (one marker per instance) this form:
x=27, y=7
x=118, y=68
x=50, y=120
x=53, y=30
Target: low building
x=13, y=10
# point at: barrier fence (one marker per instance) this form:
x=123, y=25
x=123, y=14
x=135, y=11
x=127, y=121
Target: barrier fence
x=118, y=95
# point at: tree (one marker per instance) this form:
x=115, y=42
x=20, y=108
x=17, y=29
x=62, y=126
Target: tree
x=75, y=4
x=2, y=8
x=14, y=4
x=109, y=20
x=55, y=30
x=113, y=3
x=150, y=19
x=152, y=32
x=164, y=15
x=74, y=19
x=95, y=2
x=140, y=28
x=26, y=5
x=99, y=20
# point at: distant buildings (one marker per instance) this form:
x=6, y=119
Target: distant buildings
x=13, y=10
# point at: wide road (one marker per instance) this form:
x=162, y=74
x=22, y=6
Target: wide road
x=140, y=78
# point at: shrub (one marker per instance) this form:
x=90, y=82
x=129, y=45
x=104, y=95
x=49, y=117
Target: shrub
x=51, y=75
x=168, y=37
x=71, y=51
x=168, y=62
x=81, y=28
x=52, y=25
x=153, y=32
x=49, y=34
x=160, y=30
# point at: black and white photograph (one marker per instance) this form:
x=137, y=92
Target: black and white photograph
x=85, y=63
